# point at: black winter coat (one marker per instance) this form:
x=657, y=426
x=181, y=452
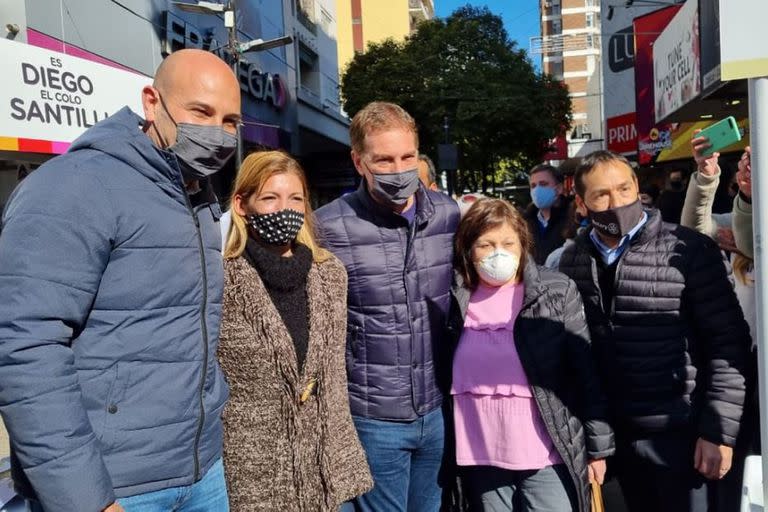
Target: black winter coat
x=673, y=344
x=552, y=340
x=546, y=240
x=399, y=293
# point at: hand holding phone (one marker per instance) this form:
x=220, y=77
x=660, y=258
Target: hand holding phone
x=720, y=135
x=707, y=165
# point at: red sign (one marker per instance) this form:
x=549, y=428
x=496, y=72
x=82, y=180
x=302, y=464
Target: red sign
x=652, y=138
x=622, y=133
x=557, y=149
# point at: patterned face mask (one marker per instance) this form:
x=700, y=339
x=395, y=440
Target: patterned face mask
x=276, y=228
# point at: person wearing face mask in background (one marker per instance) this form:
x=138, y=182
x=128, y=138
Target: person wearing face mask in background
x=110, y=311
x=670, y=339
x=394, y=237
x=671, y=200
x=529, y=416
x=649, y=194
x=547, y=216
x=289, y=441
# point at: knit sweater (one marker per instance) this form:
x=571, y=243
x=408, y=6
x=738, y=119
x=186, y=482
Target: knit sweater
x=288, y=445
x=285, y=278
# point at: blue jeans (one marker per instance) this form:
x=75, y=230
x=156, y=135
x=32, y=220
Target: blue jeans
x=492, y=489
x=405, y=459
x=206, y=495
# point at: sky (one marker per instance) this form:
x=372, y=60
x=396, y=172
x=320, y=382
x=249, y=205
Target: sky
x=521, y=18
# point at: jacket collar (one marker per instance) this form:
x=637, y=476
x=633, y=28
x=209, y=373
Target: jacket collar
x=425, y=208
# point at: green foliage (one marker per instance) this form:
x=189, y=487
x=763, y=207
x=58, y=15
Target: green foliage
x=464, y=67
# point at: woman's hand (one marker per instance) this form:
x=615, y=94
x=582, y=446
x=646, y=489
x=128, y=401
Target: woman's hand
x=707, y=165
x=597, y=471
x=744, y=175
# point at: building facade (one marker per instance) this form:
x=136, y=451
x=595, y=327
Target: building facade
x=290, y=93
x=570, y=49
x=361, y=22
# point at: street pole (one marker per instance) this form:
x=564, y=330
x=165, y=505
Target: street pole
x=448, y=174
x=758, y=125
x=234, y=50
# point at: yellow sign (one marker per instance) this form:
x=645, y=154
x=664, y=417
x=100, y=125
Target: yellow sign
x=743, y=52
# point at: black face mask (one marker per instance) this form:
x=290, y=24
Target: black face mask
x=276, y=228
x=676, y=185
x=617, y=222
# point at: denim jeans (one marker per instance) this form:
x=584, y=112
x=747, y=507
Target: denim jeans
x=206, y=495
x=405, y=459
x=492, y=489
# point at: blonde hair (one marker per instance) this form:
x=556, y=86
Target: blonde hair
x=741, y=267
x=379, y=116
x=256, y=170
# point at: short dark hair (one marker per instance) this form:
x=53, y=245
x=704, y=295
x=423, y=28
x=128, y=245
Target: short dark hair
x=551, y=169
x=651, y=190
x=592, y=160
x=431, y=171
x=484, y=215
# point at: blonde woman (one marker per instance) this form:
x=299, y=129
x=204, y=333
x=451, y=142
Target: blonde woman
x=289, y=441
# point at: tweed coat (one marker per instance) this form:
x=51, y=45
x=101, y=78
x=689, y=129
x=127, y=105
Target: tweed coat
x=288, y=445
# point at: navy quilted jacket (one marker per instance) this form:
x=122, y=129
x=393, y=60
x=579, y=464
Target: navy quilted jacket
x=399, y=295
x=111, y=280
x=672, y=345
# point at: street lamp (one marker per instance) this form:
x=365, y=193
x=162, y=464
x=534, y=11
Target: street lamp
x=235, y=47
x=201, y=7
x=259, y=45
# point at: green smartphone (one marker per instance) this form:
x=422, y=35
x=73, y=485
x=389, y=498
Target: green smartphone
x=721, y=135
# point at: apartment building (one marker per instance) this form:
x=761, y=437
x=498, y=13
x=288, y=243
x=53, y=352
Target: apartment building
x=570, y=49
x=361, y=22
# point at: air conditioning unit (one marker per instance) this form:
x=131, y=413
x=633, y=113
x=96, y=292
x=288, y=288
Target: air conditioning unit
x=581, y=131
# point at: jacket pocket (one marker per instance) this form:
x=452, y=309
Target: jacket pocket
x=113, y=404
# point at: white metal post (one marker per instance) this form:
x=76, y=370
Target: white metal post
x=758, y=121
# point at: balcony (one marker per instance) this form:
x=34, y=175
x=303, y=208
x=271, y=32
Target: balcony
x=559, y=43
x=420, y=10
x=306, y=21
x=551, y=9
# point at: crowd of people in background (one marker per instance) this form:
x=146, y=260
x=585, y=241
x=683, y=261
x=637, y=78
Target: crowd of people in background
x=395, y=350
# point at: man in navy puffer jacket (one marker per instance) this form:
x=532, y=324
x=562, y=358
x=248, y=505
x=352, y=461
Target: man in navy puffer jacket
x=395, y=239
x=111, y=279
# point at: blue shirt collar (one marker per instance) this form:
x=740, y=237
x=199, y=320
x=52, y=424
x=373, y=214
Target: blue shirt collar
x=611, y=254
x=544, y=222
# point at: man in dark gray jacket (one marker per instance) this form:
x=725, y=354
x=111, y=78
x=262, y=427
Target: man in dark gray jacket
x=669, y=336
x=111, y=300
x=395, y=239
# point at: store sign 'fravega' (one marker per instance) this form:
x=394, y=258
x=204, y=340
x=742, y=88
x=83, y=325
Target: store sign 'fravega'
x=52, y=96
x=267, y=87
